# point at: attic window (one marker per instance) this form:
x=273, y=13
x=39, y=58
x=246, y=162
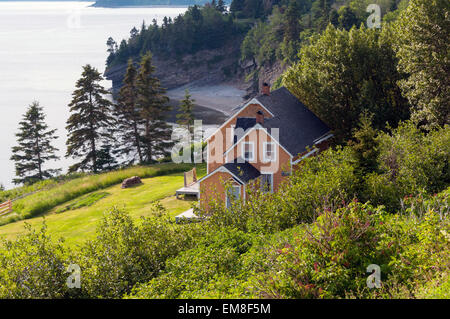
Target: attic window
x=248, y=151
x=269, y=152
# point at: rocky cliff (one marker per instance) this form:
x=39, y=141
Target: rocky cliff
x=207, y=67
x=210, y=66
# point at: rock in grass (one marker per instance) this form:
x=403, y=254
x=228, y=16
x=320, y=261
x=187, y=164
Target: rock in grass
x=132, y=181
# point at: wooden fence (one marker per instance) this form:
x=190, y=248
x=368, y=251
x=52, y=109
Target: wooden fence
x=190, y=177
x=5, y=208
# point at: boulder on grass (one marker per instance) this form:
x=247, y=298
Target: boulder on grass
x=132, y=181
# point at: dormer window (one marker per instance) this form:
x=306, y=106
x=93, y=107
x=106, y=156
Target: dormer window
x=269, y=152
x=248, y=151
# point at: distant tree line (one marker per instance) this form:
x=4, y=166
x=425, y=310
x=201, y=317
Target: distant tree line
x=293, y=22
x=207, y=27
x=119, y=3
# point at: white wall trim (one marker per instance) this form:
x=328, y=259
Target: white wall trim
x=274, y=151
x=322, y=139
x=252, y=101
x=306, y=155
x=257, y=127
x=222, y=169
x=252, y=159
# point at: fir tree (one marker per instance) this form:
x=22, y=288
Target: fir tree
x=221, y=6
x=129, y=118
x=364, y=145
x=186, y=115
x=34, y=147
x=153, y=104
x=90, y=122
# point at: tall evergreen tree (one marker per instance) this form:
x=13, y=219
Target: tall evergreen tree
x=153, y=104
x=34, y=147
x=129, y=118
x=364, y=145
x=186, y=115
x=237, y=5
x=221, y=6
x=90, y=122
x=423, y=33
x=347, y=18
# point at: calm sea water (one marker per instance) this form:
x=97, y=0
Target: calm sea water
x=43, y=46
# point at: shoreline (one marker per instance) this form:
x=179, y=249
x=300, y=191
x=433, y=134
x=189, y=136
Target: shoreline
x=222, y=97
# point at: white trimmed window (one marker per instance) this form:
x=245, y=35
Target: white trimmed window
x=267, y=183
x=269, y=152
x=248, y=151
x=232, y=194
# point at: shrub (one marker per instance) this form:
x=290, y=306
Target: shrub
x=196, y=273
x=125, y=253
x=411, y=162
x=328, y=259
x=33, y=266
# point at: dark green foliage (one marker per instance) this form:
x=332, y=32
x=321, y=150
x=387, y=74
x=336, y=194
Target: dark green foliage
x=186, y=115
x=90, y=123
x=364, y=145
x=342, y=73
x=129, y=119
x=328, y=259
x=199, y=28
x=33, y=266
x=125, y=253
x=423, y=32
x=411, y=162
x=34, y=147
x=153, y=106
x=347, y=18
x=190, y=274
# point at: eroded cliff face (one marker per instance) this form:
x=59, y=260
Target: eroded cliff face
x=209, y=66
x=206, y=68
x=256, y=75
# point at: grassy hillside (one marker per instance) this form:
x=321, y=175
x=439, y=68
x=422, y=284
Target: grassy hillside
x=76, y=219
x=46, y=198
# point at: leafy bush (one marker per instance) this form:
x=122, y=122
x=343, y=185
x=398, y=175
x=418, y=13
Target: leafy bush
x=411, y=162
x=190, y=274
x=328, y=258
x=125, y=253
x=33, y=266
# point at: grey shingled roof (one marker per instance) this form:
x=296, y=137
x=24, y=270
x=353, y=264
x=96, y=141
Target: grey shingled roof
x=298, y=126
x=243, y=170
x=245, y=122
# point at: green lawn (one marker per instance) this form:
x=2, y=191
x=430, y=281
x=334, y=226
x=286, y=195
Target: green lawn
x=79, y=224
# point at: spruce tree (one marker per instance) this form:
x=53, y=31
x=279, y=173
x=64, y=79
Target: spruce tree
x=365, y=145
x=90, y=122
x=423, y=46
x=221, y=7
x=34, y=147
x=186, y=115
x=153, y=104
x=129, y=119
